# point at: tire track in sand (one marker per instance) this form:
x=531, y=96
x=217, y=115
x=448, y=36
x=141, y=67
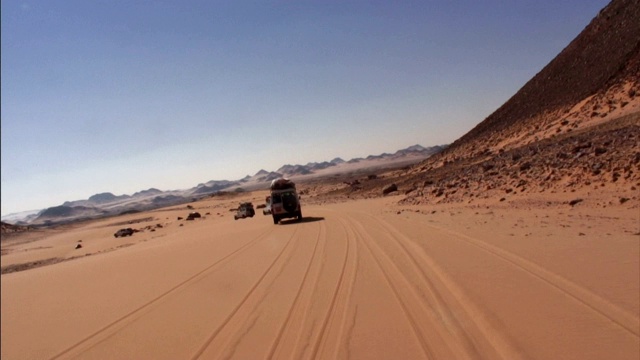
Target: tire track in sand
x=296, y=306
x=608, y=310
x=341, y=293
x=501, y=341
x=394, y=279
x=269, y=290
x=448, y=311
x=130, y=316
x=242, y=301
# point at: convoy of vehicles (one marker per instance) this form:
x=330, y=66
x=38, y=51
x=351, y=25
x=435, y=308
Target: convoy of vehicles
x=282, y=203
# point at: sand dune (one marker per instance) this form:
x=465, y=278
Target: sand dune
x=354, y=280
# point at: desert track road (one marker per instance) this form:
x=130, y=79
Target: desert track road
x=351, y=281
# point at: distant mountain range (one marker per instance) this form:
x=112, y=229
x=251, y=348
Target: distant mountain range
x=108, y=204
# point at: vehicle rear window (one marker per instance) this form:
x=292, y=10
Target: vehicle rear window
x=278, y=198
x=288, y=195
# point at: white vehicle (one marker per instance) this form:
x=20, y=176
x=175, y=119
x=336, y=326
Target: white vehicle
x=285, y=202
x=267, y=209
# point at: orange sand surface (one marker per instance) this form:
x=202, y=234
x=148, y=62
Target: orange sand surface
x=365, y=279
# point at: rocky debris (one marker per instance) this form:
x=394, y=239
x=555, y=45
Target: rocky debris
x=151, y=227
x=7, y=228
x=389, y=189
x=353, y=183
x=608, y=153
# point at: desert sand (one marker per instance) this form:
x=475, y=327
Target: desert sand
x=520, y=240
x=359, y=279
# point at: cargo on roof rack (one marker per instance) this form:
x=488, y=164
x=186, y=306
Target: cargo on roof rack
x=282, y=183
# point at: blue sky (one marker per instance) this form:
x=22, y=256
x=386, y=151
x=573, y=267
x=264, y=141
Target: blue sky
x=121, y=96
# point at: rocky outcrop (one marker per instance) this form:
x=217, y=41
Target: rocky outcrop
x=595, y=76
x=607, y=154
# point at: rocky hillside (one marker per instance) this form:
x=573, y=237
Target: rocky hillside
x=577, y=122
x=574, y=126
x=607, y=155
x=594, y=79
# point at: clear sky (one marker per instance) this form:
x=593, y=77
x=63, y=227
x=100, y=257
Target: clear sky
x=121, y=96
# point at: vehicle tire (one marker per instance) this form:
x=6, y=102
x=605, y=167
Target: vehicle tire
x=289, y=203
x=235, y=218
x=300, y=215
x=275, y=219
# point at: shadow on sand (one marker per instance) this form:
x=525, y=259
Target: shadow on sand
x=304, y=220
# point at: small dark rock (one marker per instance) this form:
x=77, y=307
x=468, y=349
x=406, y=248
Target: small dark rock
x=578, y=148
x=574, y=202
x=194, y=215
